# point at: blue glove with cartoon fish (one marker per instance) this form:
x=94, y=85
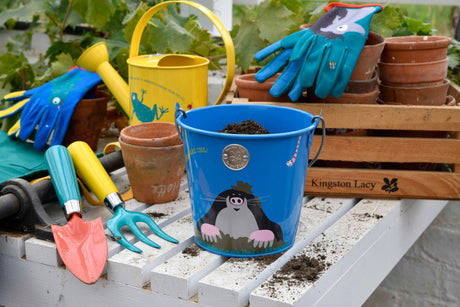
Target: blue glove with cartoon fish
x=323, y=55
x=48, y=108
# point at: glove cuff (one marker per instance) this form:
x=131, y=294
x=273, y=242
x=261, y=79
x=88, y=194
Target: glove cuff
x=352, y=6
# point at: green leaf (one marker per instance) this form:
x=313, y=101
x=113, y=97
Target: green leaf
x=247, y=44
x=96, y=13
x=59, y=47
x=417, y=26
x=23, y=13
x=16, y=71
x=275, y=21
x=170, y=37
x=131, y=21
x=387, y=21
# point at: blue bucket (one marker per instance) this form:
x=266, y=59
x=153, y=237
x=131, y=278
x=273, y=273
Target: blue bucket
x=246, y=190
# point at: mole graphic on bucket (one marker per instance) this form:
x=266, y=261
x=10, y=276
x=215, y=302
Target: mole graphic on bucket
x=236, y=221
x=143, y=112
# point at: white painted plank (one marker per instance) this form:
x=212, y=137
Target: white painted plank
x=344, y=246
x=25, y=283
x=231, y=283
x=12, y=243
x=42, y=252
x=333, y=244
x=382, y=256
x=178, y=276
x=134, y=268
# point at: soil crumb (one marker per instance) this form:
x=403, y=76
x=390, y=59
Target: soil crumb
x=192, y=250
x=156, y=214
x=245, y=127
x=302, y=268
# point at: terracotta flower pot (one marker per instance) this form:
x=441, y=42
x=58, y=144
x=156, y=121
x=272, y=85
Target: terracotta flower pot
x=87, y=121
x=249, y=87
x=363, y=86
x=158, y=134
x=415, y=49
x=369, y=57
x=356, y=92
x=355, y=98
x=449, y=101
x=415, y=94
x=154, y=171
x=419, y=72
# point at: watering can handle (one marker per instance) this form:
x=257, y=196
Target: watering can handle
x=319, y=118
x=230, y=49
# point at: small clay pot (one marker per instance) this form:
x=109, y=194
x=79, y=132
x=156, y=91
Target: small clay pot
x=349, y=98
x=413, y=72
x=369, y=57
x=156, y=134
x=415, y=95
x=450, y=101
x=154, y=172
x=249, y=87
x=415, y=49
x=363, y=86
x=87, y=120
x=153, y=154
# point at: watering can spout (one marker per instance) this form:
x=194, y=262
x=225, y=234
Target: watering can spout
x=96, y=59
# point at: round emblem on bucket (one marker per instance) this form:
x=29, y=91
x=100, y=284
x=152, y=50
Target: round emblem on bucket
x=235, y=156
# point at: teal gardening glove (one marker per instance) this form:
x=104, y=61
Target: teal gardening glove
x=323, y=55
x=50, y=106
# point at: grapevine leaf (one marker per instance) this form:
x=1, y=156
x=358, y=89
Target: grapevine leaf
x=131, y=21
x=275, y=21
x=247, y=44
x=96, y=13
x=387, y=21
x=418, y=26
x=25, y=12
x=170, y=37
x=60, y=47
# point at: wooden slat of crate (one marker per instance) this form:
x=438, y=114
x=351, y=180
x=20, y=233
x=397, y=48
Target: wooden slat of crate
x=371, y=183
x=385, y=149
x=359, y=182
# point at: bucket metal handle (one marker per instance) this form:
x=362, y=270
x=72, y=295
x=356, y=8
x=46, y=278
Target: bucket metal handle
x=179, y=111
x=228, y=42
x=323, y=137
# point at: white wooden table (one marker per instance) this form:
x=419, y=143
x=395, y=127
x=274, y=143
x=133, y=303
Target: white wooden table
x=361, y=240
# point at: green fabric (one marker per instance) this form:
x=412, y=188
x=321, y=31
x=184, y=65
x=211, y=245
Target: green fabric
x=19, y=159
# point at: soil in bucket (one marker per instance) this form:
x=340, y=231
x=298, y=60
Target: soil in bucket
x=245, y=127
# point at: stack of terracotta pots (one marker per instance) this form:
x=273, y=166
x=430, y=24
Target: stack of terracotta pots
x=413, y=70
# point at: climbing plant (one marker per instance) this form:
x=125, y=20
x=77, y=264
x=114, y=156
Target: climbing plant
x=113, y=21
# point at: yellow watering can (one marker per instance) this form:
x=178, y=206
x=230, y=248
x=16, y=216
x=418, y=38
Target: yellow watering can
x=158, y=82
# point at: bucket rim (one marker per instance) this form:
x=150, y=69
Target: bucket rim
x=311, y=127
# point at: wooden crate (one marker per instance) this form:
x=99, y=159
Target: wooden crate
x=385, y=162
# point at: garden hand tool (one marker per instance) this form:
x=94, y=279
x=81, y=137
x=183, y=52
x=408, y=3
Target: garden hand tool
x=98, y=181
x=323, y=55
x=49, y=106
x=21, y=201
x=82, y=245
